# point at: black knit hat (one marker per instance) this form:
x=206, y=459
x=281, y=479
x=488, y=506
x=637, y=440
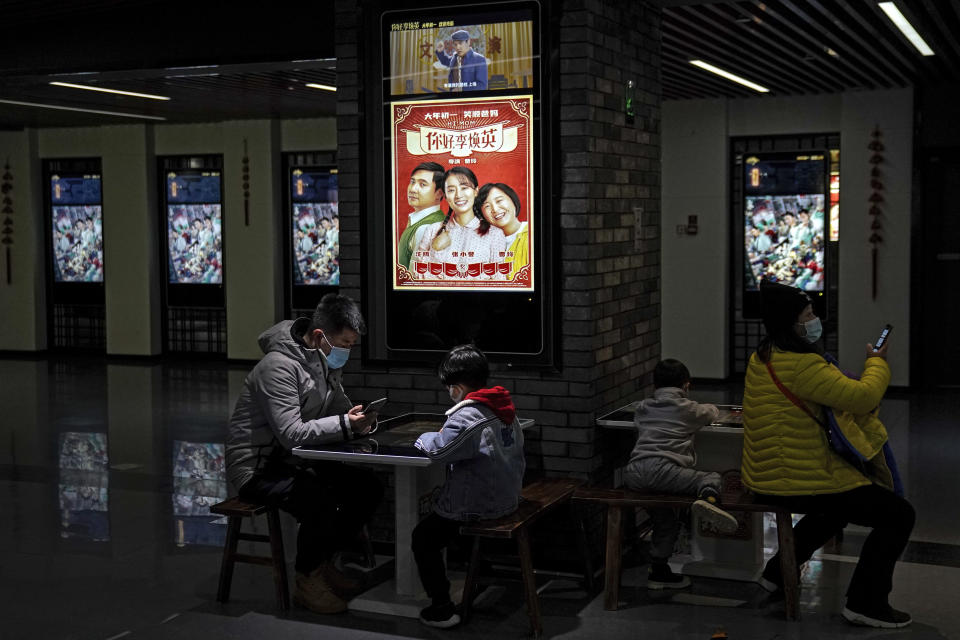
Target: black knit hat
x=781, y=305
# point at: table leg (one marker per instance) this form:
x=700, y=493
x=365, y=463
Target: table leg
x=407, y=510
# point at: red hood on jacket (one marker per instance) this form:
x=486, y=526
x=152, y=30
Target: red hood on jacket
x=498, y=399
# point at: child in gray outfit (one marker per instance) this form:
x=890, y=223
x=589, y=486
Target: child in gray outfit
x=662, y=461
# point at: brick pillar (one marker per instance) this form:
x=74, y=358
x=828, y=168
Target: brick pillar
x=610, y=235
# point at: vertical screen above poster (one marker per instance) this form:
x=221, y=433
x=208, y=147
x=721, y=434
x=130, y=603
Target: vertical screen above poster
x=482, y=237
x=466, y=254
x=436, y=54
x=77, y=227
x=194, y=228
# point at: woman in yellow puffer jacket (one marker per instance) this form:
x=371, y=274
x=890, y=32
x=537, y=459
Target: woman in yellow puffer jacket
x=787, y=459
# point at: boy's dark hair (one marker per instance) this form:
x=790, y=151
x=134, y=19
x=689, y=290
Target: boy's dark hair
x=336, y=313
x=438, y=173
x=464, y=364
x=670, y=373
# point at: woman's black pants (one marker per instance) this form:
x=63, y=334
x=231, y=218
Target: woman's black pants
x=889, y=516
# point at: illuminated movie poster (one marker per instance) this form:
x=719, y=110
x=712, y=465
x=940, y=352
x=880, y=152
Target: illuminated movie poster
x=785, y=220
x=476, y=233
x=784, y=240
x=77, y=228
x=316, y=227
x=194, y=228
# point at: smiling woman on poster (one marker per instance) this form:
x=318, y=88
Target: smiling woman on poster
x=462, y=239
x=499, y=205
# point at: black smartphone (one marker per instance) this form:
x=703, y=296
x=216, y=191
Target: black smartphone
x=376, y=405
x=883, y=337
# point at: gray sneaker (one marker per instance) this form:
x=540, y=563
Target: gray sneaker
x=717, y=518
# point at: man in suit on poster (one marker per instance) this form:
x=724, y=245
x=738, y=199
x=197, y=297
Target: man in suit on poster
x=468, y=69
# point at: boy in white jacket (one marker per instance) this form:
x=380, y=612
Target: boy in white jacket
x=662, y=461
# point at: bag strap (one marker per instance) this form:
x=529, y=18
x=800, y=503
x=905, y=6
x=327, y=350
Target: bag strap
x=791, y=397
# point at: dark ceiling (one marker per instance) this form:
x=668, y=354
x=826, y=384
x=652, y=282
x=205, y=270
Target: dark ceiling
x=216, y=60
x=221, y=61
x=796, y=47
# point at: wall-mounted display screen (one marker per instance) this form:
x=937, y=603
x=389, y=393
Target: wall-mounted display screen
x=199, y=481
x=463, y=197
x=316, y=227
x=785, y=220
x=465, y=181
x=83, y=486
x=77, y=225
x=194, y=227
x=438, y=53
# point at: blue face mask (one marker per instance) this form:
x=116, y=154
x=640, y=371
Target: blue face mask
x=813, y=328
x=338, y=355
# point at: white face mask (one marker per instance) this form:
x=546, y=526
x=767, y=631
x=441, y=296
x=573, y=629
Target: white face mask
x=338, y=355
x=813, y=328
x=456, y=394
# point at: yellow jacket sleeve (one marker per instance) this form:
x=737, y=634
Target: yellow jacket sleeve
x=818, y=381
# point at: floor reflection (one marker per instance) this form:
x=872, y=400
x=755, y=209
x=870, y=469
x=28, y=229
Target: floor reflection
x=108, y=469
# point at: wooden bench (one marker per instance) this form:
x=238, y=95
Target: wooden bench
x=537, y=499
x=616, y=500
x=236, y=510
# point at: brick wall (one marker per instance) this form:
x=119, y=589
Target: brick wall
x=609, y=212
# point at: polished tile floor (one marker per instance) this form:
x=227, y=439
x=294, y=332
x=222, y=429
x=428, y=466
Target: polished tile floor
x=106, y=470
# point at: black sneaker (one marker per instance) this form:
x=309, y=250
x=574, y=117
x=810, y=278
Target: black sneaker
x=661, y=576
x=882, y=617
x=709, y=494
x=442, y=616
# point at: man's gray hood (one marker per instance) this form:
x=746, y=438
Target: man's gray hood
x=286, y=338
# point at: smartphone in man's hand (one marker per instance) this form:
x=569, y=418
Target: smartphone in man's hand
x=374, y=406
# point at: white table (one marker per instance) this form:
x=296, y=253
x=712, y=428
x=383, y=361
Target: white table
x=415, y=476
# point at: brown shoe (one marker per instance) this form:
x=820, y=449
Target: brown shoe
x=312, y=592
x=345, y=586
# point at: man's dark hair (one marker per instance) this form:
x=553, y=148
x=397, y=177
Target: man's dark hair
x=670, y=373
x=336, y=313
x=464, y=364
x=436, y=168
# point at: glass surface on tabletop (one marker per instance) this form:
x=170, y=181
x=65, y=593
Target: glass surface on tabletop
x=394, y=436
x=730, y=415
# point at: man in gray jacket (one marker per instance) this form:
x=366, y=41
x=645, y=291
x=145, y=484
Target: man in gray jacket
x=294, y=397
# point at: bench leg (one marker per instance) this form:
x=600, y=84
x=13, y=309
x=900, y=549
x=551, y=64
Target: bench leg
x=788, y=565
x=613, y=561
x=369, y=558
x=589, y=583
x=229, y=553
x=529, y=581
x=470, y=584
x=279, y=560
